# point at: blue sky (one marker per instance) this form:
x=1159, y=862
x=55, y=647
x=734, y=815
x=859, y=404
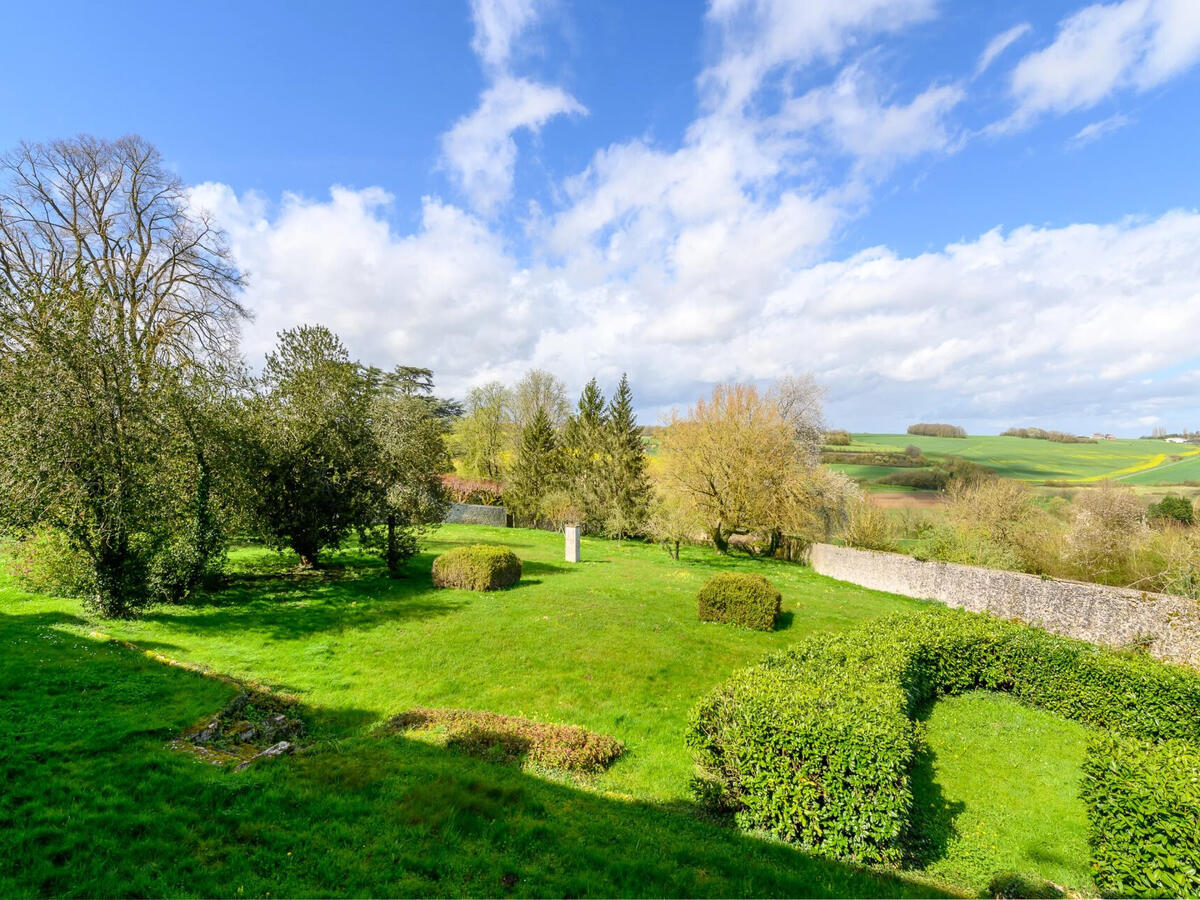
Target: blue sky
x=952, y=210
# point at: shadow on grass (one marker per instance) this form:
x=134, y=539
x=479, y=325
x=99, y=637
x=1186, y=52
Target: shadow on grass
x=283, y=605
x=931, y=827
x=95, y=804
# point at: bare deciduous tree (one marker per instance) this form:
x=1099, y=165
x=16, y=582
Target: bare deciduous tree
x=110, y=215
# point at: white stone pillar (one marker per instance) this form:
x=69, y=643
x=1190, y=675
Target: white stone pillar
x=572, y=535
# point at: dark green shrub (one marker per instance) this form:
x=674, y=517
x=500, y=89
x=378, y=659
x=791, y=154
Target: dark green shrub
x=1173, y=508
x=740, y=598
x=932, y=479
x=479, y=567
x=1144, y=817
x=815, y=745
x=935, y=429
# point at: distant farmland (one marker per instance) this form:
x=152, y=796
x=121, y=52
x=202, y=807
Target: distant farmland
x=1131, y=460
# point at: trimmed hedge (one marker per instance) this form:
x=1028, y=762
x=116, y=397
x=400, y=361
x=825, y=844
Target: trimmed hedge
x=1144, y=817
x=479, y=567
x=740, y=598
x=815, y=745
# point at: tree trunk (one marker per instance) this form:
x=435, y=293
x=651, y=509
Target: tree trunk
x=675, y=555
x=719, y=540
x=392, y=556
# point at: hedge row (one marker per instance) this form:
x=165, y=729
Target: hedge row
x=1144, y=817
x=479, y=567
x=740, y=598
x=815, y=745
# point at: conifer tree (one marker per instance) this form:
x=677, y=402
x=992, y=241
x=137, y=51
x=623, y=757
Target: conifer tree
x=625, y=489
x=584, y=452
x=537, y=471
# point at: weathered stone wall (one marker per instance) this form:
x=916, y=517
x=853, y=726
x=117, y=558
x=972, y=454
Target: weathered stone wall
x=477, y=514
x=1103, y=615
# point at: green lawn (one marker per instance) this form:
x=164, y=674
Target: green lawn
x=1027, y=459
x=612, y=644
x=997, y=790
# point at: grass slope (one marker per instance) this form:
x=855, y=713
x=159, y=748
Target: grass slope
x=1026, y=459
x=612, y=644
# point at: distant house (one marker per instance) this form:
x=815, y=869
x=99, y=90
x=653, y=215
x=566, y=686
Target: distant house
x=1098, y=436
x=1176, y=440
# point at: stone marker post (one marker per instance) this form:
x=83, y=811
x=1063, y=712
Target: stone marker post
x=572, y=534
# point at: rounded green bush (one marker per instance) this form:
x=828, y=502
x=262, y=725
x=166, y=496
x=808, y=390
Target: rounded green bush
x=740, y=598
x=816, y=744
x=479, y=567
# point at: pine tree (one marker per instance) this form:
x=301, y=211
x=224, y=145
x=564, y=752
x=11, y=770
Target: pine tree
x=584, y=452
x=625, y=490
x=537, y=470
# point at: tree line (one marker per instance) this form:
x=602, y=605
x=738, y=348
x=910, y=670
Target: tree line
x=135, y=439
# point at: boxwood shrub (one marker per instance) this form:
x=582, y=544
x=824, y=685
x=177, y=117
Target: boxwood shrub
x=815, y=745
x=478, y=567
x=740, y=598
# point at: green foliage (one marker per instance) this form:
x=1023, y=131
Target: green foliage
x=816, y=745
x=316, y=451
x=968, y=547
x=740, y=598
x=625, y=488
x=482, y=436
x=930, y=479
x=479, y=567
x=1173, y=508
x=536, y=472
x=44, y=562
x=567, y=748
x=929, y=429
x=1144, y=810
x=1041, y=434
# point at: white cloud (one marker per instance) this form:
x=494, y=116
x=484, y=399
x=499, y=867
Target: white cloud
x=852, y=113
x=498, y=25
x=480, y=149
x=1066, y=325
x=999, y=44
x=757, y=36
x=1097, y=130
x=1101, y=49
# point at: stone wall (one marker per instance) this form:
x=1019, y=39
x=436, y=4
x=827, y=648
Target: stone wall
x=1103, y=615
x=477, y=514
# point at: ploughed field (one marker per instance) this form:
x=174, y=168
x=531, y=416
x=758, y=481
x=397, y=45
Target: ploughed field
x=97, y=802
x=1131, y=460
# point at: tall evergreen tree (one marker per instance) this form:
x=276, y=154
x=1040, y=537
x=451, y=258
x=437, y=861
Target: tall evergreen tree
x=585, y=452
x=537, y=470
x=625, y=488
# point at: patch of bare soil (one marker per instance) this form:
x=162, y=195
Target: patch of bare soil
x=907, y=499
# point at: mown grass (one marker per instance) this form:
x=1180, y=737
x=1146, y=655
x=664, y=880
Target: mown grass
x=1026, y=459
x=997, y=790
x=612, y=644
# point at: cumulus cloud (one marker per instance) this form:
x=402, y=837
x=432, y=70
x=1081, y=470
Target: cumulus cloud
x=1101, y=49
x=1077, y=324
x=709, y=260
x=479, y=150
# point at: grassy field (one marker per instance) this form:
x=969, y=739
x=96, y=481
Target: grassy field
x=612, y=644
x=1026, y=459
